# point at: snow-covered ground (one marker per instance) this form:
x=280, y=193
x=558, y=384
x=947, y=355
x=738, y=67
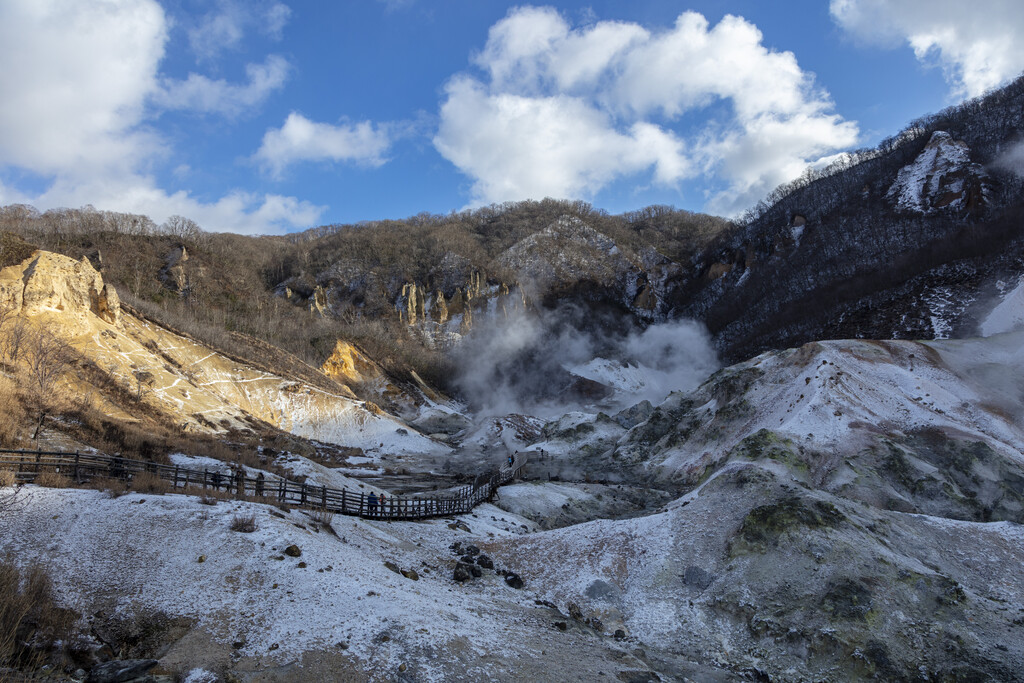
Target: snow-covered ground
x=178, y=555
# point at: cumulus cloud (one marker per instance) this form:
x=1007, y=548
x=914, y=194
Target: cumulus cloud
x=978, y=46
x=75, y=114
x=565, y=111
x=300, y=139
x=520, y=147
x=202, y=94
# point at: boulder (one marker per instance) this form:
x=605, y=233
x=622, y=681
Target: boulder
x=293, y=551
x=513, y=580
x=462, y=573
x=485, y=562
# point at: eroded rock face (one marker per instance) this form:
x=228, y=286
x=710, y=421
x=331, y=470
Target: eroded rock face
x=942, y=177
x=49, y=283
x=348, y=365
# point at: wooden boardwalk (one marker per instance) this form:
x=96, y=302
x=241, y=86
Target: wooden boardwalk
x=84, y=466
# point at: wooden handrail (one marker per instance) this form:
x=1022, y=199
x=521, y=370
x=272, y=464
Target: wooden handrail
x=29, y=464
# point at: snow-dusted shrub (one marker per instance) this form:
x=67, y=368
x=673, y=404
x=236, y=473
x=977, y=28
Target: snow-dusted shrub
x=244, y=523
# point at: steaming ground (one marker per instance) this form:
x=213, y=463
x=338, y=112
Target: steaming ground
x=533, y=364
x=534, y=369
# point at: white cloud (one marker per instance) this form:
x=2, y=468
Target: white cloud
x=978, y=45
x=82, y=76
x=566, y=111
x=225, y=27
x=531, y=147
x=74, y=112
x=237, y=211
x=202, y=94
x=300, y=139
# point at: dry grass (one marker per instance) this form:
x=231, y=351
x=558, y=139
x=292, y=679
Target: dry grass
x=53, y=480
x=7, y=478
x=114, y=488
x=244, y=523
x=148, y=482
x=31, y=623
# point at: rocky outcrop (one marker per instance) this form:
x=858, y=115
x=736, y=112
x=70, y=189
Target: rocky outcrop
x=571, y=257
x=942, y=177
x=443, y=318
x=50, y=284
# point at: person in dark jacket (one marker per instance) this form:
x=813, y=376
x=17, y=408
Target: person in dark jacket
x=372, y=504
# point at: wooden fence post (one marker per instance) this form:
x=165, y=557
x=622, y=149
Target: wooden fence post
x=76, y=465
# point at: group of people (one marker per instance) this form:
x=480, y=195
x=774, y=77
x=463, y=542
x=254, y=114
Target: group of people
x=373, y=501
x=236, y=480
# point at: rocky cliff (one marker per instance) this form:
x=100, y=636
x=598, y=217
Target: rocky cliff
x=186, y=383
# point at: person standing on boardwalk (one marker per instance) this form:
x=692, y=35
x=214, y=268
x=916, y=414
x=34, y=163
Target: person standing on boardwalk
x=382, y=511
x=259, y=484
x=372, y=504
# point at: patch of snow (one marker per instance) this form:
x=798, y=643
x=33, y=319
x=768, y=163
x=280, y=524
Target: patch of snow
x=919, y=182
x=1008, y=314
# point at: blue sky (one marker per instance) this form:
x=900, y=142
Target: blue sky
x=267, y=116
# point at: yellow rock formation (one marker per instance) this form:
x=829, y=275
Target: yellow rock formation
x=188, y=383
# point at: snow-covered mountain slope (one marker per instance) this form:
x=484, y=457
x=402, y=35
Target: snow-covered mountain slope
x=917, y=426
x=757, y=573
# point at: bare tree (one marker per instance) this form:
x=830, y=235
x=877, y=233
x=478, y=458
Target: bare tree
x=14, y=331
x=47, y=357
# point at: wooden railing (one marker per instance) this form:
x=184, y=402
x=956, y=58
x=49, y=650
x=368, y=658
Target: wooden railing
x=84, y=466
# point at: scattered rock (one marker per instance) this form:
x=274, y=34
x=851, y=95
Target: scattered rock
x=301, y=565
x=561, y=625
x=696, y=577
x=619, y=634
x=575, y=612
x=472, y=550
x=475, y=571
x=120, y=671
x=513, y=580
x=411, y=574
x=202, y=558
x=485, y=562
x=292, y=551
x=393, y=567
x=462, y=573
